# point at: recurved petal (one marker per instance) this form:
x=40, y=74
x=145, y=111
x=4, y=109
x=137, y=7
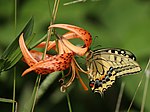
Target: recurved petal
x=26, y=54
x=38, y=55
x=78, y=50
x=52, y=64
x=75, y=32
x=51, y=45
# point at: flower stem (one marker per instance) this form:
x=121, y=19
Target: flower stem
x=147, y=73
x=68, y=100
x=36, y=87
x=14, y=82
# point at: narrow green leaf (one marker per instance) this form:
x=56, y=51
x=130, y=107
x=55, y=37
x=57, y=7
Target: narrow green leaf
x=46, y=83
x=2, y=62
x=38, y=42
x=14, y=45
x=25, y=97
x=29, y=107
x=69, y=103
x=147, y=73
x=14, y=90
x=7, y=100
x=16, y=56
x=12, y=54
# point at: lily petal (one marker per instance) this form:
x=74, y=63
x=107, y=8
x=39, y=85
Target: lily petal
x=83, y=34
x=78, y=50
x=52, y=64
x=51, y=45
x=38, y=55
x=26, y=54
x=75, y=32
x=86, y=36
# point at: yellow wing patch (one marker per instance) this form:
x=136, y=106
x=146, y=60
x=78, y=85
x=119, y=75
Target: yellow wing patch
x=105, y=65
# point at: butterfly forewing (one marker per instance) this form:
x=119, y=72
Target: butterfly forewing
x=107, y=64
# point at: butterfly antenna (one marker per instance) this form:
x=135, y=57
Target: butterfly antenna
x=94, y=41
x=95, y=38
x=97, y=46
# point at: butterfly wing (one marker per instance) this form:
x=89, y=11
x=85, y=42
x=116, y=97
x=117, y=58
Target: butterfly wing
x=105, y=65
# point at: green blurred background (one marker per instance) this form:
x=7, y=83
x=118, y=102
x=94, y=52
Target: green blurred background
x=114, y=23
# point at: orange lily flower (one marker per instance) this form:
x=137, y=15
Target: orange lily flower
x=64, y=59
x=46, y=66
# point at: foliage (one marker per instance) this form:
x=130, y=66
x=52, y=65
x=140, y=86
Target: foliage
x=113, y=23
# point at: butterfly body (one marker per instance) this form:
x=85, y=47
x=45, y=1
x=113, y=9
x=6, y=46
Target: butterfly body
x=104, y=65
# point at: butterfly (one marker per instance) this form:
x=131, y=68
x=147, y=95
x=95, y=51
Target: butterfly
x=104, y=65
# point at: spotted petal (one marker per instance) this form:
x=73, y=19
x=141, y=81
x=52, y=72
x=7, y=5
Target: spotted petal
x=75, y=32
x=46, y=66
x=52, y=64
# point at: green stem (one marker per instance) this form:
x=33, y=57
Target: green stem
x=147, y=73
x=14, y=90
x=120, y=97
x=38, y=42
x=68, y=100
x=55, y=9
x=135, y=93
x=14, y=82
x=145, y=93
x=36, y=87
x=15, y=15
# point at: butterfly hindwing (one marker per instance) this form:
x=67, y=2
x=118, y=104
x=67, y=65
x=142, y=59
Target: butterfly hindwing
x=105, y=65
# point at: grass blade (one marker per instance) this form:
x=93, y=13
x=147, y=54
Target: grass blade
x=31, y=104
x=120, y=97
x=7, y=100
x=14, y=90
x=135, y=93
x=147, y=73
x=47, y=82
x=67, y=95
x=69, y=103
x=12, y=54
x=29, y=107
x=12, y=46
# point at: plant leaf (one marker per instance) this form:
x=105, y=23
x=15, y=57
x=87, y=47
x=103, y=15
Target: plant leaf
x=7, y=100
x=12, y=54
x=46, y=83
